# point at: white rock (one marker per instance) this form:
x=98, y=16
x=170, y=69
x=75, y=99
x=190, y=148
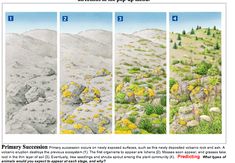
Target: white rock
x=192, y=123
x=215, y=109
x=205, y=118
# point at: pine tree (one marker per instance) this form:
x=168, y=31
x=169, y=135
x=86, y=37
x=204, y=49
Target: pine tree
x=178, y=38
x=184, y=32
x=175, y=46
x=192, y=31
x=196, y=38
x=217, y=46
x=208, y=31
x=214, y=28
x=213, y=35
x=179, y=44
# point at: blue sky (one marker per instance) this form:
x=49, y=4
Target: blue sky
x=135, y=21
x=188, y=20
x=82, y=21
x=25, y=21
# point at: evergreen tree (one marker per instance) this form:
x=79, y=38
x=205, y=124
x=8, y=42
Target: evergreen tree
x=213, y=35
x=208, y=31
x=179, y=44
x=178, y=38
x=217, y=46
x=196, y=38
x=175, y=46
x=192, y=31
x=214, y=28
x=184, y=32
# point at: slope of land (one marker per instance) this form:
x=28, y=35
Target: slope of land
x=140, y=93
x=86, y=82
x=31, y=82
x=195, y=82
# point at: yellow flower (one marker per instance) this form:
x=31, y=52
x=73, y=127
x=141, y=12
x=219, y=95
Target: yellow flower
x=151, y=92
x=123, y=132
x=96, y=116
x=78, y=126
x=182, y=122
x=72, y=116
x=67, y=132
x=67, y=94
x=132, y=126
x=190, y=87
x=130, y=94
x=96, y=99
x=139, y=91
x=119, y=87
x=101, y=129
x=175, y=88
x=64, y=87
x=126, y=122
x=86, y=90
x=96, y=92
x=69, y=121
x=196, y=90
x=206, y=91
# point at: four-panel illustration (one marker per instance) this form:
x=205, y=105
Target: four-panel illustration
x=120, y=73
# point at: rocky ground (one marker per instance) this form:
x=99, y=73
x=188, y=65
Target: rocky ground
x=140, y=82
x=195, y=82
x=31, y=82
x=86, y=82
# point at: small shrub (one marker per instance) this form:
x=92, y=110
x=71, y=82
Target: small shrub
x=146, y=125
x=149, y=109
x=159, y=109
x=213, y=71
x=132, y=118
x=134, y=70
x=120, y=98
x=127, y=79
x=172, y=82
x=202, y=68
x=175, y=46
x=163, y=101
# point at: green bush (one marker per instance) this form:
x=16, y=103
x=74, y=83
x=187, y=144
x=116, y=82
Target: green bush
x=146, y=124
x=214, y=70
x=134, y=70
x=149, y=109
x=127, y=79
x=120, y=98
x=159, y=110
x=132, y=118
x=202, y=68
x=163, y=101
x=172, y=82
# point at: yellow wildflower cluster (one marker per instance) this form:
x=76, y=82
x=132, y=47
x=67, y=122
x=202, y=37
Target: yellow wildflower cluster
x=151, y=92
x=206, y=91
x=96, y=92
x=78, y=126
x=196, y=90
x=67, y=131
x=123, y=132
x=130, y=94
x=96, y=116
x=101, y=129
x=69, y=121
x=190, y=87
x=128, y=123
x=175, y=88
x=119, y=87
x=139, y=91
x=182, y=122
x=67, y=94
